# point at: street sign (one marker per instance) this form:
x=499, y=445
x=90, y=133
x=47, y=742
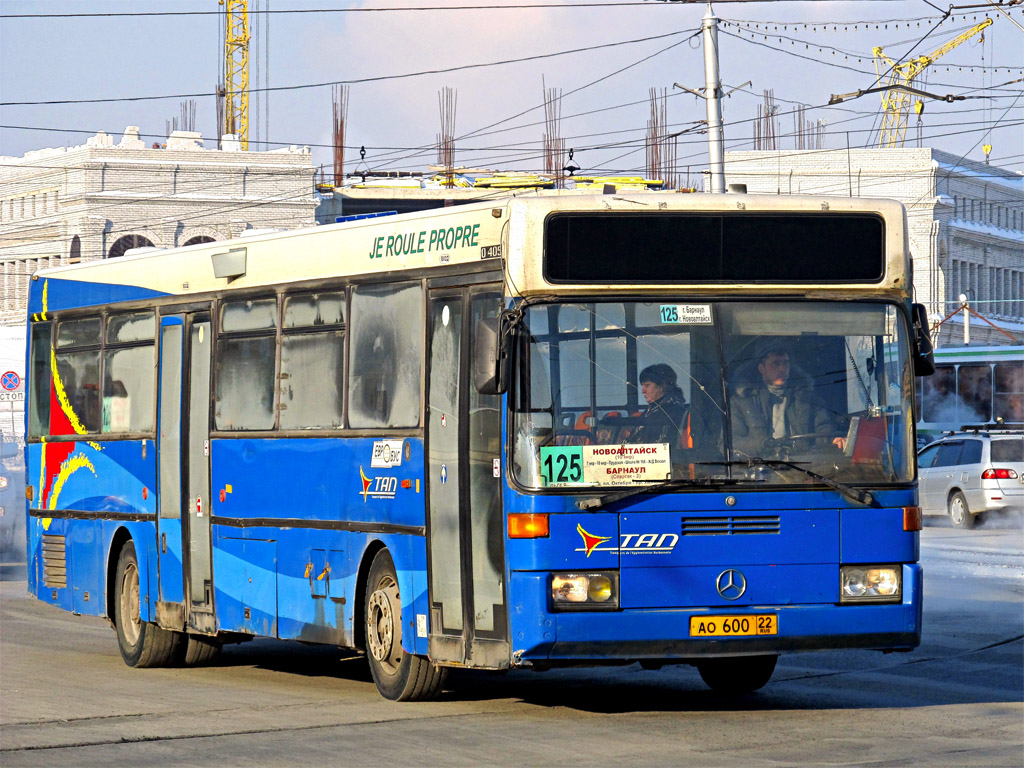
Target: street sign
x=10, y=381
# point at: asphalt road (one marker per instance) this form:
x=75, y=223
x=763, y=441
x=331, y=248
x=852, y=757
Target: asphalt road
x=66, y=698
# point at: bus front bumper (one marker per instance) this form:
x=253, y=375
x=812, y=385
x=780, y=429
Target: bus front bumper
x=541, y=637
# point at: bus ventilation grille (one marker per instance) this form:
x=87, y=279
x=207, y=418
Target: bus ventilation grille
x=55, y=563
x=728, y=525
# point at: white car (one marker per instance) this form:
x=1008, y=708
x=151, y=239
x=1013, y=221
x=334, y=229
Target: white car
x=972, y=472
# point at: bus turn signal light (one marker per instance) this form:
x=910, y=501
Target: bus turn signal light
x=531, y=525
x=912, y=519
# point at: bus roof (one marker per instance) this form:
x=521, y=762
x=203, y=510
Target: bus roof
x=509, y=231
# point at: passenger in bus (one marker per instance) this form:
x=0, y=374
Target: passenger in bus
x=775, y=408
x=667, y=417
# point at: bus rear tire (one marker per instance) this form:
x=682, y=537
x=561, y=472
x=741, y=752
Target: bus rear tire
x=959, y=512
x=197, y=650
x=141, y=643
x=739, y=674
x=399, y=676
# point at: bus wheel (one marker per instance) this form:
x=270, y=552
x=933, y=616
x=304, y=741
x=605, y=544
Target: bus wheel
x=959, y=512
x=197, y=650
x=739, y=674
x=142, y=644
x=399, y=676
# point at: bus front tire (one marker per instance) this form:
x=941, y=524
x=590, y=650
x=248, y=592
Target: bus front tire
x=959, y=512
x=399, y=676
x=739, y=674
x=141, y=643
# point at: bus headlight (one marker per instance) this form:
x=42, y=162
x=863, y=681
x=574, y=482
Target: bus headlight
x=592, y=591
x=870, y=583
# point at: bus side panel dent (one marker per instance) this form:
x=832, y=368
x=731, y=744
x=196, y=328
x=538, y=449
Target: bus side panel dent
x=532, y=629
x=417, y=604
x=246, y=585
x=144, y=538
x=314, y=577
x=87, y=575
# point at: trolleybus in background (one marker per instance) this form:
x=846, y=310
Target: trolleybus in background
x=425, y=436
x=972, y=385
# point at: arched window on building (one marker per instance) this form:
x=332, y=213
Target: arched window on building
x=199, y=240
x=75, y=251
x=127, y=242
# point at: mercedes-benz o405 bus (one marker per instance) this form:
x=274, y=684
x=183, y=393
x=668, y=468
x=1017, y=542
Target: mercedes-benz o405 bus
x=530, y=433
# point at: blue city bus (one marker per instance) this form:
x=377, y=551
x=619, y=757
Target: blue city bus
x=428, y=437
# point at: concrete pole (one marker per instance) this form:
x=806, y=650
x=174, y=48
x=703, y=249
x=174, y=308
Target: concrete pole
x=713, y=97
x=967, y=320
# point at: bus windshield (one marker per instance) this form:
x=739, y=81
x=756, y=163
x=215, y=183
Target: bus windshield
x=627, y=393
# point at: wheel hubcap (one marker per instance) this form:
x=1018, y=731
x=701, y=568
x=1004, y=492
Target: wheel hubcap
x=383, y=625
x=131, y=626
x=956, y=511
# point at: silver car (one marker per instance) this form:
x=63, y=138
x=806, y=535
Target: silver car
x=970, y=473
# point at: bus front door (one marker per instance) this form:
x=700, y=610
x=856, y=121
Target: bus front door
x=186, y=578
x=465, y=541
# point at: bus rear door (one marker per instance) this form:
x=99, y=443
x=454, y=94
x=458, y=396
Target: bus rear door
x=186, y=578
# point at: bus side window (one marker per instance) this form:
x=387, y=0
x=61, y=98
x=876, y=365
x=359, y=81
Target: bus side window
x=39, y=383
x=385, y=355
x=313, y=361
x=78, y=376
x=246, y=350
x=128, y=388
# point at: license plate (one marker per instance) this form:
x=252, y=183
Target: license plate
x=734, y=626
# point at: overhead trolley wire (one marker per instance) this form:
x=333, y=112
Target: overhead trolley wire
x=354, y=81
x=302, y=11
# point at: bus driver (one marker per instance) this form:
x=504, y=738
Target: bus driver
x=773, y=408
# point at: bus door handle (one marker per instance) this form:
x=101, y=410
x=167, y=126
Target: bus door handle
x=163, y=542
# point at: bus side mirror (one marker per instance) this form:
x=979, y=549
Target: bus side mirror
x=490, y=353
x=924, y=360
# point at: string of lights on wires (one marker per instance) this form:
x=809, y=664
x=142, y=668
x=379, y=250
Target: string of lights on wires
x=847, y=55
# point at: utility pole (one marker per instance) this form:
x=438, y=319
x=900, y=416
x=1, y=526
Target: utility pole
x=713, y=97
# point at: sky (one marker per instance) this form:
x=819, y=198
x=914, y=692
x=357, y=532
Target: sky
x=801, y=51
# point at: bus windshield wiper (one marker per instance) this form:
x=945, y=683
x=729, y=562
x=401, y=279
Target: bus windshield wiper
x=587, y=505
x=853, y=494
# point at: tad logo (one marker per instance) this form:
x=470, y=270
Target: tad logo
x=590, y=541
x=378, y=487
x=629, y=543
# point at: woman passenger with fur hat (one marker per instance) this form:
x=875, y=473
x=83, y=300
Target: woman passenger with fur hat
x=667, y=411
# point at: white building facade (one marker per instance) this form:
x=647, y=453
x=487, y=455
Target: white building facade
x=95, y=201
x=965, y=223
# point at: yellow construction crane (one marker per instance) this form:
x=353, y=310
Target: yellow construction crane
x=236, y=70
x=896, y=102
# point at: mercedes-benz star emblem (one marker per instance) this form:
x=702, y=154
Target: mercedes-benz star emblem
x=731, y=584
